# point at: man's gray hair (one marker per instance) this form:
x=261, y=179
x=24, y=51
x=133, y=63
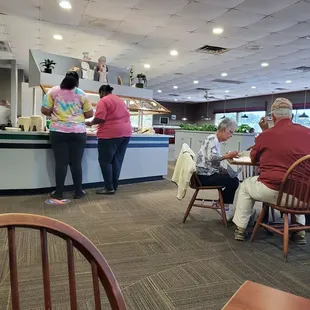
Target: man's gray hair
x=282, y=113
x=227, y=123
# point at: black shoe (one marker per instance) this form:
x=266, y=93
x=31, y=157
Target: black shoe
x=79, y=195
x=105, y=191
x=57, y=196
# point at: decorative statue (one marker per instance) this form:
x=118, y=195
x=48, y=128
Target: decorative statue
x=101, y=70
x=85, y=66
x=131, y=77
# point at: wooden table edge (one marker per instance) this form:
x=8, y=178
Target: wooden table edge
x=232, y=297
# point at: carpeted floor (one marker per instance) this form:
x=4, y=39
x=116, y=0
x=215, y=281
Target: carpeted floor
x=159, y=262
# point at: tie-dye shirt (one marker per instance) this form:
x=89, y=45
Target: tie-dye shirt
x=68, y=108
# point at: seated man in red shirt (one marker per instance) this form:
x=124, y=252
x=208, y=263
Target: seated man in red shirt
x=275, y=149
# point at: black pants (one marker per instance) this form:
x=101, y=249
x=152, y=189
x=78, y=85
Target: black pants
x=111, y=155
x=68, y=149
x=231, y=184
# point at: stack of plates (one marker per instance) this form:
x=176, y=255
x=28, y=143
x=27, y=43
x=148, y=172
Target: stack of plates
x=25, y=122
x=37, y=123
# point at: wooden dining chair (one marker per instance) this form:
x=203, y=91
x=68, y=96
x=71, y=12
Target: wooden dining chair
x=74, y=239
x=293, y=198
x=197, y=186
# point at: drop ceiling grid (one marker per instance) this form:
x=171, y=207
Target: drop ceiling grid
x=133, y=32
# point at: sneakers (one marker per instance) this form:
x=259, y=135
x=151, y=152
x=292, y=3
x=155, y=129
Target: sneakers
x=299, y=237
x=229, y=213
x=239, y=234
x=105, y=191
x=80, y=195
x=56, y=195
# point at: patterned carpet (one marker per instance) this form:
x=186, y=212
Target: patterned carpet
x=159, y=262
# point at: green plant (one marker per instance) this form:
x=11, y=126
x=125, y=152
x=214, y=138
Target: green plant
x=194, y=127
x=244, y=128
x=141, y=76
x=48, y=64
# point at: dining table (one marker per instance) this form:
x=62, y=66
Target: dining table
x=254, y=296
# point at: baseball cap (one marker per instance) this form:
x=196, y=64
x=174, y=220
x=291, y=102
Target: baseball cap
x=281, y=103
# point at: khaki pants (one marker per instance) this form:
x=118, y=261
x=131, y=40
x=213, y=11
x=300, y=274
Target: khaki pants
x=252, y=190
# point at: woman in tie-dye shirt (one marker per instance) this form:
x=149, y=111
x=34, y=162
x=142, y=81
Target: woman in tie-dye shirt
x=68, y=107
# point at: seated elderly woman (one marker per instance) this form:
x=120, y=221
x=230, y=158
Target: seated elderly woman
x=208, y=164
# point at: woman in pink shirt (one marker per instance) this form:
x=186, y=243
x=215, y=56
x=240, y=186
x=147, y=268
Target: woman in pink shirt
x=114, y=132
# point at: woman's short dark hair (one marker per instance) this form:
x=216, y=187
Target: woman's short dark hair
x=70, y=81
x=106, y=89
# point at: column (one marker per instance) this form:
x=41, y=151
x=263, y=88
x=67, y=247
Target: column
x=14, y=92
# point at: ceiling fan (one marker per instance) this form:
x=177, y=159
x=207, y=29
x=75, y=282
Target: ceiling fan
x=207, y=96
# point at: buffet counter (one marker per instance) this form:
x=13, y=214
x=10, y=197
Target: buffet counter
x=27, y=162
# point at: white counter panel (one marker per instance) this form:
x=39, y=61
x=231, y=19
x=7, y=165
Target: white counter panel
x=28, y=163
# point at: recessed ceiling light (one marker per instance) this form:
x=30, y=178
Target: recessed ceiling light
x=224, y=74
x=174, y=53
x=175, y=87
x=175, y=99
x=288, y=82
x=196, y=82
x=264, y=64
x=189, y=97
x=147, y=66
x=226, y=91
x=159, y=91
x=57, y=37
x=65, y=4
x=253, y=87
x=218, y=30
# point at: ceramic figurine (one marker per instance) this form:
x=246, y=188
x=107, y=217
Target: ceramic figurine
x=101, y=70
x=85, y=66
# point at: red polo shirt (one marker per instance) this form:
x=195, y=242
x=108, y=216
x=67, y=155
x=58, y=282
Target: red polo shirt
x=277, y=148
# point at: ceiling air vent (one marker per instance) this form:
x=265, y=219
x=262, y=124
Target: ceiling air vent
x=174, y=95
x=303, y=69
x=5, y=47
x=227, y=81
x=178, y=73
x=201, y=88
x=213, y=50
x=280, y=88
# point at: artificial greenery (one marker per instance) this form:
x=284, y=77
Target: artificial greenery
x=204, y=127
x=244, y=128
x=48, y=64
x=141, y=76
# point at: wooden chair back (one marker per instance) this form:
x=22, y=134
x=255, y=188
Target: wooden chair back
x=295, y=187
x=74, y=239
x=195, y=182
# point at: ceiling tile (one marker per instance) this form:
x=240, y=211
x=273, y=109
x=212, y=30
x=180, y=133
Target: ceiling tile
x=265, y=7
x=298, y=12
x=202, y=10
x=238, y=18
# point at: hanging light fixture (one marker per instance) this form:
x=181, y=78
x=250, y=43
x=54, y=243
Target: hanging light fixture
x=207, y=118
x=224, y=108
x=184, y=118
x=245, y=103
x=304, y=115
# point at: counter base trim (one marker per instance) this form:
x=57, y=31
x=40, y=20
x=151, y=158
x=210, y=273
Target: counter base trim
x=34, y=191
